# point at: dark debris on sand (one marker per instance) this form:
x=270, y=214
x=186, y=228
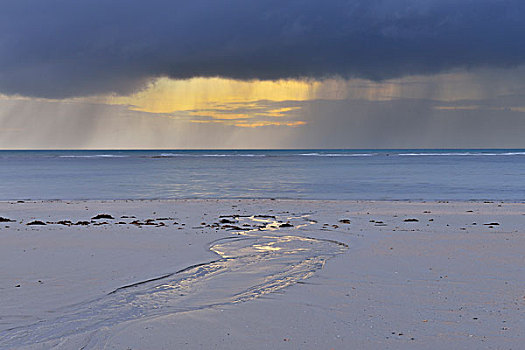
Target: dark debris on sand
x=61, y=222
x=102, y=216
x=36, y=223
x=82, y=223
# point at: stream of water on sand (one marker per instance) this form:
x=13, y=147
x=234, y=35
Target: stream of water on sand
x=251, y=263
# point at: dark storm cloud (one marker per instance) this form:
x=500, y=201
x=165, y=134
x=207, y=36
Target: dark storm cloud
x=61, y=48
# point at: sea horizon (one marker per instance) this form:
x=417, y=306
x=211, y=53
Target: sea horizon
x=263, y=149
x=346, y=174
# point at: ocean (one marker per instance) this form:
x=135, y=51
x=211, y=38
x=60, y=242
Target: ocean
x=283, y=174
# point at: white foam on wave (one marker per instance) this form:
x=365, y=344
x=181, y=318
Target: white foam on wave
x=233, y=155
x=168, y=155
x=513, y=154
x=94, y=156
x=464, y=154
x=337, y=154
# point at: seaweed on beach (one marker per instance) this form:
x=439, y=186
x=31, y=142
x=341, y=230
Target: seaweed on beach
x=36, y=223
x=102, y=216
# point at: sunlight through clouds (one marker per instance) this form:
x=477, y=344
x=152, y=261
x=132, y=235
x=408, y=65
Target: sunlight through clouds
x=256, y=103
x=168, y=96
x=217, y=100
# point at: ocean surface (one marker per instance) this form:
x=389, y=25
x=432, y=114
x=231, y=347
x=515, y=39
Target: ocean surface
x=295, y=174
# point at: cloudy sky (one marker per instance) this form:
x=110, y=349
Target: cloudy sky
x=262, y=74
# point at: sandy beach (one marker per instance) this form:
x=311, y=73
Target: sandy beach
x=250, y=175
x=262, y=274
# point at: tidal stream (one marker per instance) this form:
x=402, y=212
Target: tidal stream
x=250, y=264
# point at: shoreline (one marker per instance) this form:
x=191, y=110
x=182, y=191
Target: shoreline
x=436, y=201
x=419, y=269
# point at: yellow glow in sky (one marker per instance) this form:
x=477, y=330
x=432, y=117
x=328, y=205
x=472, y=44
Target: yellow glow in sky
x=250, y=104
x=267, y=123
x=168, y=96
x=218, y=96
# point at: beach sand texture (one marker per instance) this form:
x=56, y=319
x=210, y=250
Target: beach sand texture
x=262, y=274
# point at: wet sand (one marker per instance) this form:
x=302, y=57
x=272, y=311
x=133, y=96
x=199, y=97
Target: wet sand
x=262, y=274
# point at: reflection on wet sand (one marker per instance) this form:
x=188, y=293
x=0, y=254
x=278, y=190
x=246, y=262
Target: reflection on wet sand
x=252, y=263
